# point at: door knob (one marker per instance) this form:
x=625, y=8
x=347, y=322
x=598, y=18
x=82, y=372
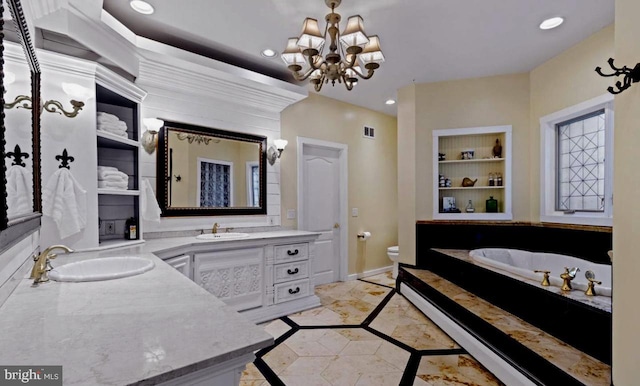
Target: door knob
x=336, y=226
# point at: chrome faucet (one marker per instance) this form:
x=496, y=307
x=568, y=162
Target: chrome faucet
x=42, y=263
x=215, y=228
x=568, y=275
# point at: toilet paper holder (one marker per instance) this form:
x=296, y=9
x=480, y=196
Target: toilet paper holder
x=364, y=235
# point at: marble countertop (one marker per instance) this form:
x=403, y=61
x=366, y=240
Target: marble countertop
x=600, y=302
x=151, y=327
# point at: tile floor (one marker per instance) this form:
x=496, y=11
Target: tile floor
x=363, y=334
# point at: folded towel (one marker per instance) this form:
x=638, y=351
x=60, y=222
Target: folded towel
x=150, y=208
x=112, y=175
x=118, y=178
x=104, y=168
x=113, y=185
x=19, y=192
x=120, y=125
x=65, y=201
x=106, y=117
x=122, y=134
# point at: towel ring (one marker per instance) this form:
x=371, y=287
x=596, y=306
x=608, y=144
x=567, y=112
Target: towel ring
x=64, y=159
x=17, y=156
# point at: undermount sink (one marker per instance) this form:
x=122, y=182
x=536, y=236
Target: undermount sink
x=222, y=236
x=101, y=269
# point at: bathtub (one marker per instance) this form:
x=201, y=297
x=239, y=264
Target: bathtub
x=523, y=263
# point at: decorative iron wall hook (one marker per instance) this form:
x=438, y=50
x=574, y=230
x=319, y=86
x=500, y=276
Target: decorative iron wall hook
x=17, y=156
x=630, y=76
x=65, y=158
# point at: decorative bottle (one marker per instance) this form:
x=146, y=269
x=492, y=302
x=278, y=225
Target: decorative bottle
x=491, y=180
x=130, y=229
x=469, y=208
x=499, y=179
x=492, y=205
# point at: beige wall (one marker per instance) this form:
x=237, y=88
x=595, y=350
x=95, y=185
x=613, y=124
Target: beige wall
x=372, y=171
x=564, y=81
x=407, y=168
x=626, y=210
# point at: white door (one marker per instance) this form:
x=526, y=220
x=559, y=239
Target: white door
x=321, y=207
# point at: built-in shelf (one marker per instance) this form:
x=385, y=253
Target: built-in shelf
x=115, y=142
x=483, y=142
x=472, y=187
x=453, y=161
x=119, y=192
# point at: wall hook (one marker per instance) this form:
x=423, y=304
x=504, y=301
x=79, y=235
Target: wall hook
x=178, y=178
x=65, y=158
x=17, y=156
x=630, y=76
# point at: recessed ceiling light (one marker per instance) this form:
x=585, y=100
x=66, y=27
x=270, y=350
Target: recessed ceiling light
x=390, y=102
x=551, y=23
x=269, y=53
x=142, y=7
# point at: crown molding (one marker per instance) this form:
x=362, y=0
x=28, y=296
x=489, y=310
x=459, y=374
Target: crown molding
x=82, y=20
x=197, y=83
x=118, y=84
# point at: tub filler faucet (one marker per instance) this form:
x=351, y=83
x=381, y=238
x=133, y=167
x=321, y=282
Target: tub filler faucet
x=42, y=263
x=568, y=275
x=215, y=228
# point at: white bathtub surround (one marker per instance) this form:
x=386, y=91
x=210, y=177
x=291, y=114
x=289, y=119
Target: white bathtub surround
x=152, y=327
x=524, y=263
x=65, y=201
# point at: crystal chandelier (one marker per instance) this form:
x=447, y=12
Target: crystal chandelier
x=352, y=54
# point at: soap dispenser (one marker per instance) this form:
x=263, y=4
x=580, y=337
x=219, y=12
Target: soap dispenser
x=131, y=229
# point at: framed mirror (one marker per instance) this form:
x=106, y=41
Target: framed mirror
x=19, y=128
x=210, y=172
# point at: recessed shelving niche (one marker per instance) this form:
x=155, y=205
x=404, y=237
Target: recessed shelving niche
x=452, y=143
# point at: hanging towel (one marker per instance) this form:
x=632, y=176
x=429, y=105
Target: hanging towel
x=19, y=191
x=150, y=208
x=65, y=201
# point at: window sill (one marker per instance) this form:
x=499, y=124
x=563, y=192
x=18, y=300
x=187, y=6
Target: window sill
x=578, y=219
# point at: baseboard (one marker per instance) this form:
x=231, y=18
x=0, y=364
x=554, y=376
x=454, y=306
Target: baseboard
x=498, y=366
x=373, y=272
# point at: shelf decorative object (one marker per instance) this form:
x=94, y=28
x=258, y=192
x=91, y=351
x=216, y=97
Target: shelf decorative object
x=497, y=149
x=492, y=205
x=468, y=182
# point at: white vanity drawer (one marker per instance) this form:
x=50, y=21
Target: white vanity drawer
x=291, y=271
x=291, y=290
x=291, y=252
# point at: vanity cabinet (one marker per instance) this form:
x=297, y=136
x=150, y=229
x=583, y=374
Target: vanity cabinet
x=263, y=278
x=182, y=264
x=461, y=156
x=233, y=276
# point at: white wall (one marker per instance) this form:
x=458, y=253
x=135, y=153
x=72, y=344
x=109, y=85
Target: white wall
x=183, y=92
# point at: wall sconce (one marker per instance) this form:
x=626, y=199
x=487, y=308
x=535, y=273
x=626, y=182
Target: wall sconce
x=149, y=138
x=75, y=91
x=275, y=151
x=630, y=76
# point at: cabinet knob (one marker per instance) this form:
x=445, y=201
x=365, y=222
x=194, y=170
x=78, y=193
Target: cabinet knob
x=294, y=291
x=336, y=226
x=290, y=272
x=292, y=253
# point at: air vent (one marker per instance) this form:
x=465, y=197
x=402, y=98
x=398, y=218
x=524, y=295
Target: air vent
x=369, y=132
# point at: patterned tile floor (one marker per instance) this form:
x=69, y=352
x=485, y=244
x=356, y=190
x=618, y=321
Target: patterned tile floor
x=363, y=334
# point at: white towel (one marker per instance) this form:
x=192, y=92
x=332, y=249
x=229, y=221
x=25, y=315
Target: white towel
x=104, y=168
x=119, y=126
x=106, y=117
x=150, y=208
x=119, y=134
x=120, y=185
x=19, y=191
x=112, y=175
x=65, y=201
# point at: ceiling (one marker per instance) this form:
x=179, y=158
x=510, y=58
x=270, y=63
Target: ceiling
x=423, y=40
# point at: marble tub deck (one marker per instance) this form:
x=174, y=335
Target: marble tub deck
x=363, y=334
x=600, y=302
x=581, y=366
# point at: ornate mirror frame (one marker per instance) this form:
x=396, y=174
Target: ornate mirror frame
x=14, y=230
x=163, y=173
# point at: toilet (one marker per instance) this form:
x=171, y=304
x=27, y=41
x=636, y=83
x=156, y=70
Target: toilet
x=392, y=252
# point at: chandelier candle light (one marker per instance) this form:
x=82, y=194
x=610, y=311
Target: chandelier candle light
x=358, y=55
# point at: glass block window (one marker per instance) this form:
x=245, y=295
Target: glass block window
x=581, y=163
x=255, y=186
